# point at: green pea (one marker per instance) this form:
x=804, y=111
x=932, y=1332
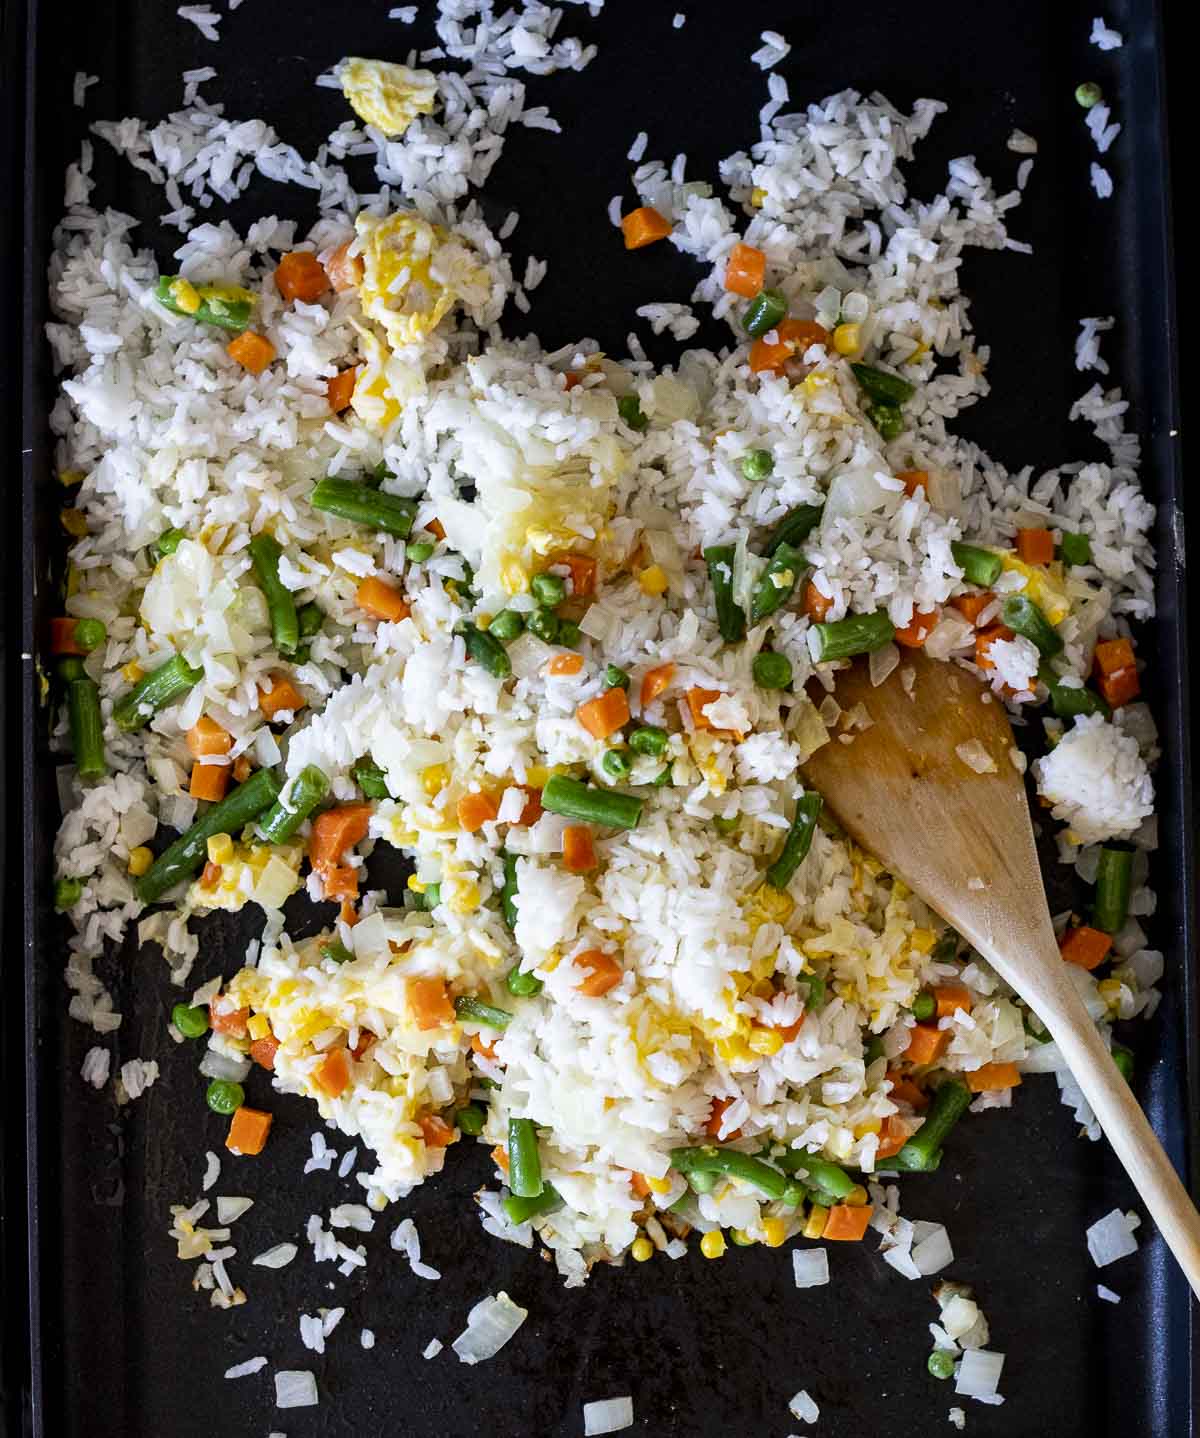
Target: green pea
x=941, y=1363
x=524, y=986
x=648, y=739
x=1076, y=548
x=772, y=671
x=924, y=1006
x=569, y=633
x=1123, y=1058
x=741, y=1238
x=470, y=1120
x=616, y=764
x=887, y=419
x=629, y=407
x=336, y=952
x=544, y=624
x=168, y=542
x=225, y=1096
x=757, y=465
x=191, y=1020
x=548, y=589
x=418, y=551
x=1088, y=94
x=90, y=634
x=506, y=626
x=67, y=893
x=615, y=678
x=70, y=668
x=724, y=826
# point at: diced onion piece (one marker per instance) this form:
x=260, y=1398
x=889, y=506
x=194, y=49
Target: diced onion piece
x=803, y=1408
x=1109, y=1238
x=231, y=1209
x=278, y=1257
x=529, y=656
x=979, y=1373
x=490, y=1324
x=810, y=1267
x=243, y=1370
x=933, y=1252
x=216, y=1065
x=607, y=1415
x=295, y=1388
x=432, y=1348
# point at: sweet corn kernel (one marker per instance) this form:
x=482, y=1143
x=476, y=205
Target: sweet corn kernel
x=774, y=1232
x=1110, y=991
x=258, y=1026
x=641, y=1249
x=514, y=577
x=757, y=197
x=870, y=1125
x=857, y=1196
x=735, y=1050
x=184, y=295
x=814, y=1224
x=394, y=1086
x=923, y=940
x=68, y=477
x=434, y=779
x=775, y=904
x=653, y=581
x=483, y=621
x=712, y=1245
x=765, y=1041
x=132, y=672
x=817, y=381
x=465, y=898
x=920, y=352
x=847, y=339
x=658, y=1185
x=220, y=848
x=415, y=884
x=74, y=521
x=140, y=860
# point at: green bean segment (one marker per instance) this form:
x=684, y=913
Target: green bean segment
x=573, y=800
x=794, y=528
x=764, y=312
x=798, y=842
x=778, y=581
x=282, y=820
x=709, y=1159
x=856, y=634
x=923, y=1152
x=828, y=1178
x=1024, y=617
x=265, y=554
x=524, y=1160
x=1114, y=884
x=882, y=387
x=360, y=504
x=731, y=618
x=486, y=650
x=1068, y=700
x=979, y=566
x=508, y=894
x=87, y=728
x=371, y=779
x=474, y=1011
x=521, y=1210
x=162, y=686
x=214, y=308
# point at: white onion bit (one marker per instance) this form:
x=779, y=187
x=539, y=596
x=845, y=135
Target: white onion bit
x=607, y=1415
x=490, y=1324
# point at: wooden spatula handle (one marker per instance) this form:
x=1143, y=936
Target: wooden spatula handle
x=1126, y=1127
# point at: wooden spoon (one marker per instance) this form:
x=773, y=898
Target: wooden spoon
x=963, y=841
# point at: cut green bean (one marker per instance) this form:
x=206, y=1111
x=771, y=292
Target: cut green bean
x=888, y=419
x=524, y=1161
x=794, y=528
x=371, y=779
x=923, y=1152
x=266, y=553
x=162, y=686
x=1076, y=548
x=207, y=304
x=386, y=513
x=188, y=852
x=764, y=312
x=979, y=566
x=1068, y=700
x=1114, y=884
x=882, y=387
x=70, y=667
x=856, y=634
x=710, y=1159
x=569, y=633
x=798, y=842
x=471, y=1119
x=523, y=985
x=87, y=728
x=1123, y=1058
x=282, y=820
x=521, y=1210
x=1024, y=617
x=310, y=617
x=608, y=807
x=731, y=618
x=507, y=626
x=508, y=894
x=757, y=465
x=90, y=634
x=474, y=1011
x=771, y=671
x=829, y=1178
x=336, y=952
x=417, y=551
x=486, y=650
x=629, y=407
x=778, y=581
x=648, y=739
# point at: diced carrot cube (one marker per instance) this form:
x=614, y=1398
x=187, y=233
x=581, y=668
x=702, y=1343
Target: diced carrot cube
x=429, y=1002
x=347, y=913
x=252, y=351
x=564, y=664
x=209, y=781
x=263, y=1051
x=984, y=640
x=604, y=973
x=248, y=1130
x=476, y=810
x=905, y=1091
x=745, y=270
x=485, y=1048
x=926, y=1043
x=282, y=696
x=571, y=379
x=1116, y=670
x=532, y=811
x=206, y=736
x=436, y=528
x=500, y=1158
x=715, y=1114
x=337, y=830
x=1035, y=546
x=989, y=1077
x=637, y=1182
x=579, y=852
x=1112, y=655
x=971, y=606
x=583, y=572
x=914, y=479
x=365, y=1039
x=210, y=875
x=62, y=636
x=605, y=714
x=788, y=1032
x=339, y=881
x=847, y=1224
x=340, y=389
x=1085, y=946
x=918, y=629
x=345, y=270
x=1119, y=689
x=697, y=699
x=332, y=1074
x=656, y=682
x=816, y=604
x=301, y=276
x=893, y=1135
x=794, y=337
x=951, y=997
x=436, y=1132
x=382, y=600
x=644, y=226
x=223, y=1019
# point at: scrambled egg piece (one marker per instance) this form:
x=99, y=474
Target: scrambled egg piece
x=1043, y=585
x=268, y=875
x=413, y=273
x=388, y=96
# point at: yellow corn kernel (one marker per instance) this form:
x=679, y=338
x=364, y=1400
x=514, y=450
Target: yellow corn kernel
x=434, y=779
x=220, y=848
x=775, y=904
x=68, y=477
x=923, y=940
x=847, y=339
x=857, y=1196
x=1110, y=991
x=920, y=352
x=870, y=1125
x=814, y=1224
x=394, y=1086
x=734, y=1050
x=765, y=1041
x=658, y=1185
x=465, y=898
x=132, y=672
x=140, y=860
x=774, y=1232
x=483, y=621
x=817, y=381
x=184, y=295
x=258, y=1026
x=514, y=577
x=712, y=1245
x=653, y=581
x=415, y=884
x=641, y=1249
x=74, y=521
x=757, y=197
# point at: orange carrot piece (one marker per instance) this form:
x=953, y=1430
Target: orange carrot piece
x=846, y=1224
x=62, y=636
x=301, y=276
x=339, y=882
x=715, y=1114
x=565, y=664
x=571, y=379
x=1116, y=671
x=337, y=830
x=485, y=1048
x=225, y=1020
x=1120, y=688
x=282, y=695
x=905, y=1091
x=332, y=1074
x=971, y=606
x=816, y=604
x=252, y=351
x=605, y=714
x=655, y=682
x=579, y=852
x=242, y=768
x=644, y=226
x=583, y=573
x=604, y=973
x=532, y=811
x=476, y=810
x=914, y=479
x=745, y=270
x=436, y=1132
x=347, y=913
x=209, y=781
x=637, y=1182
x=263, y=1052
x=429, y=1002
x=984, y=640
x=951, y=997
x=381, y=600
x=345, y=270
x=340, y=389
x=788, y=1032
x=206, y=736
x=365, y=1039
x=1085, y=947
x=990, y=1077
x=1112, y=655
x=926, y=1043
x=793, y=338
x=436, y=528
x=500, y=1158
x=248, y=1130
x=697, y=698
x=1035, y=546
x=210, y=875
x=893, y=1135
x=918, y=629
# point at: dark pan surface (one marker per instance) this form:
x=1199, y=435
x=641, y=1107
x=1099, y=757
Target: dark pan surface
x=120, y=1344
